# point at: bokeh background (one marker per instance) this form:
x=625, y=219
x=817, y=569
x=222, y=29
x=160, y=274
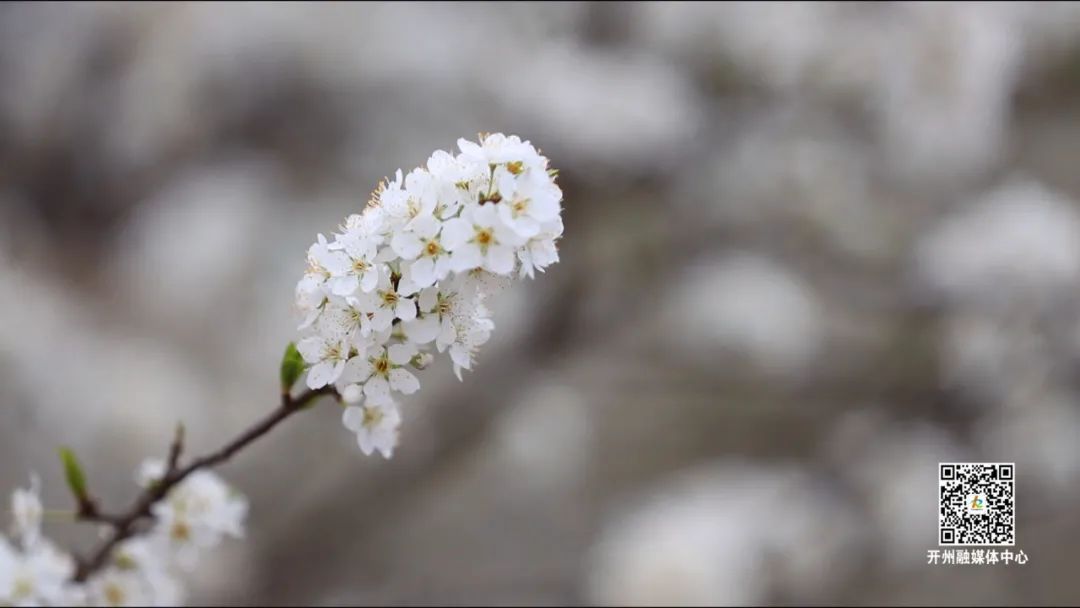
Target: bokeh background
x=811, y=250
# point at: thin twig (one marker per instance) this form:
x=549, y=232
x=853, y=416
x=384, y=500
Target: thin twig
x=125, y=526
x=176, y=449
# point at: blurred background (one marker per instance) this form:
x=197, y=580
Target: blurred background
x=811, y=250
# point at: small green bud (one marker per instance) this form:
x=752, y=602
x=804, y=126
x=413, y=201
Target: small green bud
x=73, y=472
x=422, y=360
x=292, y=365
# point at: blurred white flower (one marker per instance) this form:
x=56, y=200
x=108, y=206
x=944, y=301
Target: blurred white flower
x=375, y=424
x=1039, y=435
x=195, y=514
x=895, y=470
x=751, y=305
x=727, y=535
x=621, y=110
x=546, y=438
x=26, y=513
x=1018, y=243
x=117, y=587
x=36, y=576
x=946, y=78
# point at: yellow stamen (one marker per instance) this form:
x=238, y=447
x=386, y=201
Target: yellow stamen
x=23, y=589
x=114, y=594
x=180, y=531
x=382, y=366
x=372, y=416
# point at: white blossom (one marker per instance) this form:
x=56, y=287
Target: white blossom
x=327, y=354
x=382, y=372
x=310, y=296
x=195, y=514
x=26, y=513
x=410, y=273
x=144, y=556
x=541, y=252
x=126, y=587
x=463, y=337
x=387, y=302
x=36, y=576
x=375, y=424
x=480, y=239
x=422, y=245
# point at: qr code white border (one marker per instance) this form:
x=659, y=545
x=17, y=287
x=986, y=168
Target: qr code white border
x=941, y=482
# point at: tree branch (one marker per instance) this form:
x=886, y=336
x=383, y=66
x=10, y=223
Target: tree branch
x=126, y=525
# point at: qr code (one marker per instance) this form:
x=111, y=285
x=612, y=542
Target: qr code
x=977, y=504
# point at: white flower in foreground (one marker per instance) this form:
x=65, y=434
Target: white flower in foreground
x=387, y=303
x=425, y=327
x=127, y=587
x=380, y=373
x=26, y=513
x=196, y=514
x=541, y=252
x=310, y=296
x=456, y=182
x=464, y=336
x=496, y=149
x=147, y=578
x=421, y=244
x=327, y=356
x=37, y=576
x=404, y=202
x=480, y=239
x=375, y=424
x=529, y=198
x=360, y=244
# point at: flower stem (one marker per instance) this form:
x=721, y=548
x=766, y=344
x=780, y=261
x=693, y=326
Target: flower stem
x=126, y=525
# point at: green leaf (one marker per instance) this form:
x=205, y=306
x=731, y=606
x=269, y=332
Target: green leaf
x=292, y=365
x=76, y=479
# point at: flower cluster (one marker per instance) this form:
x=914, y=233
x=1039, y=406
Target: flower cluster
x=33, y=571
x=143, y=570
x=410, y=274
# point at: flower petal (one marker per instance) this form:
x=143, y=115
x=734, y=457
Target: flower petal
x=426, y=227
x=357, y=369
x=400, y=354
x=500, y=259
x=366, y=442
x=353, y=418
x=429, y=298
x=421, y=330
x=404, y=381
x=455, y=233
x=320, y=375
x=423, y=272
x=353, y=393
x=377, y=388
x=405, y=309
x=311, y=349
x=369, y=280
x=465, y=258
x=406, y=244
